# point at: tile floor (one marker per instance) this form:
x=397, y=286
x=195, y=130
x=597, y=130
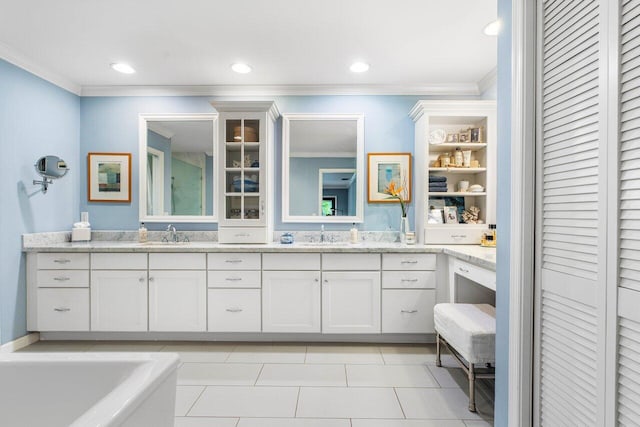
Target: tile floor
x=311, y=385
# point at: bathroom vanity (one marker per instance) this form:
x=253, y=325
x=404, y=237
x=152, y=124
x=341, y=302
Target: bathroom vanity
x=203, y=290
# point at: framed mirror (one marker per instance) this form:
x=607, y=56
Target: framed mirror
x=177, y=159
x=323, y=168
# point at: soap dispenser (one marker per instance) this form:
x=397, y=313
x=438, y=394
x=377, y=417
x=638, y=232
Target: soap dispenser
x=143, y=234
x=353, y=234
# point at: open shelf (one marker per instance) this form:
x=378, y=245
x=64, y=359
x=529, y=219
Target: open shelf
x=451, y=146
x=458, y=170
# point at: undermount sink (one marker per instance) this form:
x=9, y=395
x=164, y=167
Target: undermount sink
x=156, y=243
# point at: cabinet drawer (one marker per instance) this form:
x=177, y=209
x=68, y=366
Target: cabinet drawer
x=408, y=311
x=408, y=279
x=234, y=261
x=63, y=278
x=63, y=309
x=234, y=310
x=297, y=262
x=466, y=234
x=234, y=279
x=408, y=262
x=177, y=261
x=486, y=278
x=63, y=261
x=244, y=235
x=119, y=261
x=351, y=262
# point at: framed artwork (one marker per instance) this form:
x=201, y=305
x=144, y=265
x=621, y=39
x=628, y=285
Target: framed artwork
x=384, y=169
x=450, y=214
x=109, y=177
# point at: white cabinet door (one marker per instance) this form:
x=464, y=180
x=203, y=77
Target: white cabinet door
x=119, y=300
x=177, y=300
x=234, y=310
x=351, y=302
x=291, y=301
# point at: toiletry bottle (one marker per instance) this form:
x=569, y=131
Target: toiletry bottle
x=494, y=235
x=458, y=157
x=353, y=234
x=143, y=235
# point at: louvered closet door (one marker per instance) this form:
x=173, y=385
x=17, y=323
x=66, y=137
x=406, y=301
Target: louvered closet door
x=571, y=205
x=628, y=364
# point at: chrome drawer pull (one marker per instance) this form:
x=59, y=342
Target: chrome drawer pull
x=233, y=279
x=409, y=280
x=62, y=261
x=464, y=270
x=141, y=279
x=242, y=235
x=458, y=236
x=409, y=262
x=62, y=309
x=408, y=311
x=233, y=261
x=234, y=310
x=61, y=279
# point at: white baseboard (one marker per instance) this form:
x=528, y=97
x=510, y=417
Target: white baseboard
x=19, y=343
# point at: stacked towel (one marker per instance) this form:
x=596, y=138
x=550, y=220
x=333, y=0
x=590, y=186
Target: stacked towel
x=437, y=184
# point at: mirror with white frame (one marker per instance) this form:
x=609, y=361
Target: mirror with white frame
x=177, y=158
x=323, y=168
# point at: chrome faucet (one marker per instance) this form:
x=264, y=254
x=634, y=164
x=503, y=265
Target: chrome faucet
x=322, y=233
x=174, y=234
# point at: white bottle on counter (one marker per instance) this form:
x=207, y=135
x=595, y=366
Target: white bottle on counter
x=143, y=234
x=353, y=234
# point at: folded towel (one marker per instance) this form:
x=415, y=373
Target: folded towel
x=435, y=178
x=437, y=189
x=437, y=186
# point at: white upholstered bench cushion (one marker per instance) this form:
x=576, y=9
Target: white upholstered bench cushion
x=469, y=328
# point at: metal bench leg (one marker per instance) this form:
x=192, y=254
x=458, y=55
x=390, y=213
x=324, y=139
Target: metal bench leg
x=438, y=362
x=472, y=388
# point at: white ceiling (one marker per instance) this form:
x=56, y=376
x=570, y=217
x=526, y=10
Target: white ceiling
x=412, y=45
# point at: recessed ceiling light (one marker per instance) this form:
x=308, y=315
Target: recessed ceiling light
x=241, y=68
x=359, y=67
x=123, y=68
x=493, y=28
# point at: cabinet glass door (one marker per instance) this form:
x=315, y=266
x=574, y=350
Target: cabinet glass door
x=242, y=169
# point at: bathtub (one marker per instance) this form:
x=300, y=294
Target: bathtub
x=87, y=389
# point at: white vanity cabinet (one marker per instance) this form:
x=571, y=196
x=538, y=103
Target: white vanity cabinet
x=59, y=293
x=291, y=293
x=177, y=292
x=233, y=297
x=408, y=293
x=119, y=292
x=245, y=161
x=351, y=293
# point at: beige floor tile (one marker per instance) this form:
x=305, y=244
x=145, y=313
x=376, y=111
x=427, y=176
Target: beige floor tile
x=483, y=423
x=57, y=346
x=406, y=423
x=292, y=422
x=127, y=346
x=441, y=403
x=218, y=373
x=408, y=354
x=344, y=402
x=205, y=422
x=449, y=376
x=302, y=375
x=185, y=398
x=390, y=376
x=205, y=352
x=344, y=354
x=248, y=353
x=252, y=402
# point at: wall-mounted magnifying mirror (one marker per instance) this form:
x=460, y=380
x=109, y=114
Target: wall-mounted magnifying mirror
x=50, y=168
x=323, y=168
x=177, y=155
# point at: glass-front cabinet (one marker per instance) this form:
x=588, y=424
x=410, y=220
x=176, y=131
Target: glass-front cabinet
x=246, y=158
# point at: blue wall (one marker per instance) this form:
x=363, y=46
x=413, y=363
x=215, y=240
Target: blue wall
x=163, y=144
x=111, y=124
x=504, y=214
x=37, y=118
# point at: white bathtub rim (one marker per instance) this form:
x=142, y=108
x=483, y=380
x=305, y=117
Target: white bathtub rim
x=117, y=405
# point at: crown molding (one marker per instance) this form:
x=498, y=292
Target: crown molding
x=455, y=89
x=19, y=60
x=488, y=81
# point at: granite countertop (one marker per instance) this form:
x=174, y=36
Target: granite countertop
x=483, y=257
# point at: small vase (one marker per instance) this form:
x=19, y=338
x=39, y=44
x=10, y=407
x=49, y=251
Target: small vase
x=404, y=227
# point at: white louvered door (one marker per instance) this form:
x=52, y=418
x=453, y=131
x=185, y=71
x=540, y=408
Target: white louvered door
x=571, y=217
x=628, y=342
